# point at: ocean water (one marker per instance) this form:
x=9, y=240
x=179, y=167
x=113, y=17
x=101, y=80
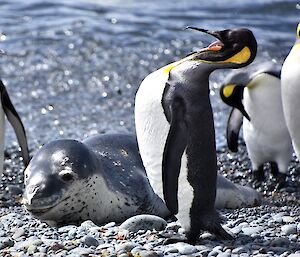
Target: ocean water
x=72, y=68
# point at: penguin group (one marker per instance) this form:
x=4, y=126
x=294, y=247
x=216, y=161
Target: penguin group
x=175, y=134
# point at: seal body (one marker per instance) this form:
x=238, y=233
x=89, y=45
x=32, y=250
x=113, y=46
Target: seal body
x=101, y=179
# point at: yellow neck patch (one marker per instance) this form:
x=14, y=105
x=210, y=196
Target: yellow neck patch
x=298, y=30
x=239, y=58
x=228, y=89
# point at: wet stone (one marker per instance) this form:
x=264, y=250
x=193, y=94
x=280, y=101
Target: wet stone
x=184, y=248
x=143, y=222
x=289, y=229
x=125, y=247
x=18, y=233
x=90, y=241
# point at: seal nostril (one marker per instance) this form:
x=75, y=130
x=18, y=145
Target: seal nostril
x=67, y=177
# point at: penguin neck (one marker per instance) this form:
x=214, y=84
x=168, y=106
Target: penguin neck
x=194, y=73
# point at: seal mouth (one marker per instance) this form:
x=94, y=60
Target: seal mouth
x=37, y=208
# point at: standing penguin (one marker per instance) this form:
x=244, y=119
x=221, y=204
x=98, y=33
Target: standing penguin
x=290, y=89
x=255, y=91
x=7, y=108
x=175, y=129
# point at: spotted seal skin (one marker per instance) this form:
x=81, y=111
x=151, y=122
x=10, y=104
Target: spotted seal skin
x=101, y=179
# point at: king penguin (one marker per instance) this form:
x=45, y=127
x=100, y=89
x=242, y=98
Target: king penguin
x=255, y=93
x=7, y=109
x=175, y=129
x=290, y=89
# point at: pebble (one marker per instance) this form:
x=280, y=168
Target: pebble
x=90, y=241
x=252, y=230
x=18, y=233
x=289, y=229
x=184, y=248
x=143, y=222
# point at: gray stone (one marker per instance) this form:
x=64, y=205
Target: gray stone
x=136, y=250
x=79, y=251
x=289, y=229
x=288, y=219
x=90, y=241
x=143, y=222
x=7, y=241
x=125, y=247
x=18, y=233
x=252, y=230
x=224, y=255
x=88, y=224
x=280, y=241
x=185, y=248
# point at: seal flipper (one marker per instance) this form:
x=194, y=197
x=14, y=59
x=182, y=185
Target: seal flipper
x=174, y=148
x=16, y=123
x=234, y=124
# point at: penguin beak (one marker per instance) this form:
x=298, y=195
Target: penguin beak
x=215, y=46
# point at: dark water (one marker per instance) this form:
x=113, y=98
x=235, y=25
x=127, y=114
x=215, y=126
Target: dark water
x=72, y=67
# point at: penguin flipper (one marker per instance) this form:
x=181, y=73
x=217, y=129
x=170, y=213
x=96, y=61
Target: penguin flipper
x=174, y=148
x=234, y=124
x=15, y=121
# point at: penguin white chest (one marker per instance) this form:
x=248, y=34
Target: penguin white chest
x=152, y=127
x=266, y=136
x=152, y=130
x=290, y=82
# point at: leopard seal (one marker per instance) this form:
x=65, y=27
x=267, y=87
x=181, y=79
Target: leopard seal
x=102, y=179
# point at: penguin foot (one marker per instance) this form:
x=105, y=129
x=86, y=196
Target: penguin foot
x=280, y=181
x=258, y=176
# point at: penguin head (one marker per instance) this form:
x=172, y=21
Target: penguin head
x=235, y=48
x=232, y=94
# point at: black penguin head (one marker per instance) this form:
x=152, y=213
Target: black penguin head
x=235, y=48
x=232, y=95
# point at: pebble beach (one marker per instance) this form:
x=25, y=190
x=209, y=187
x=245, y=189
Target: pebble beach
x=72, y=71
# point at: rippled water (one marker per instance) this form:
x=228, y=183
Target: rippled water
x=72, y=69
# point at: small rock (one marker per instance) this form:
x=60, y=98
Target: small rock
x=80, y=251
x=109, y=225
x=280, y=241
x=288, y=219
x=90, y=241
x=125, y=247
x=146, y=253
x=143, y=222
x=14, y=190
x=185, y=248
x=7, y=241
x=224, y=255
x=18, y=233
x=289, y=229
x=239, y=250
x=88, y=224
x=251, y=230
